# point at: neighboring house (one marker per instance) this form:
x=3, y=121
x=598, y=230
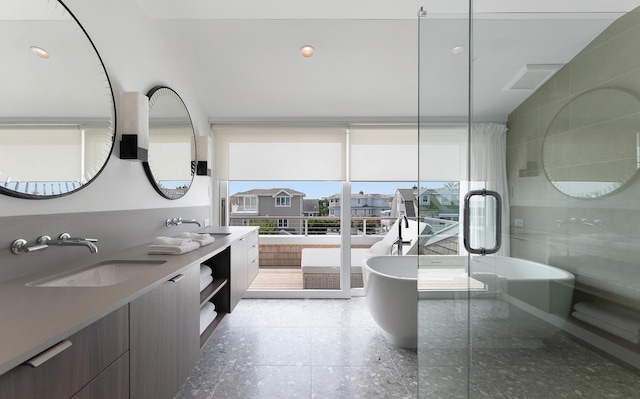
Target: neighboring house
x=405, y=203
x=363, y=205
x=436, y=203
x=367, y=205
x=440, y=203
x=284, y=206
x=310, y=208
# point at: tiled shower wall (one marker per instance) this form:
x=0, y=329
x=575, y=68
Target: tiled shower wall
x=550, y=227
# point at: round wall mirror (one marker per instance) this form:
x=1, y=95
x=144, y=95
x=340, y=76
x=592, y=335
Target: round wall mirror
x=57, y=113
x=592, y=145
x=172, y=144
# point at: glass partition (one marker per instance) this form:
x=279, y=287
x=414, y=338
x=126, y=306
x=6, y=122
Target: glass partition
x=443, y=284
x=547, y=97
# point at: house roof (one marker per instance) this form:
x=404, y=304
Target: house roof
x=271, y=192
x=310, y=205
x=407, y=193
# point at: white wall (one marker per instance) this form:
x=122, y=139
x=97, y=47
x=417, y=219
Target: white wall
x=136, y=60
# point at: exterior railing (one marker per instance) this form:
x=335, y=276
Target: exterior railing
x=326, y=225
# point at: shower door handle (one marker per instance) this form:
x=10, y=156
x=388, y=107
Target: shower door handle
x=467, y=222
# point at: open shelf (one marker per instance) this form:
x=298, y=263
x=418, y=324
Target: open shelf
x=212, y=289
x=206, y=334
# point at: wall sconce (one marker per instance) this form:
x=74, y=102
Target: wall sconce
x=202, y=155
x=134, y=143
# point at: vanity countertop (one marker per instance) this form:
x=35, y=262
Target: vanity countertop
x=32, y=319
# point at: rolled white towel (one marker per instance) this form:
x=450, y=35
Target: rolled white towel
x=205, y=281
x=155, y=249
x=207, y=320
x=202, y=239
x=205, y=270
x=207, y=308
x=170, y=241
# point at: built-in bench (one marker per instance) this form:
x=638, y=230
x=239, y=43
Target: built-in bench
x=607, y=294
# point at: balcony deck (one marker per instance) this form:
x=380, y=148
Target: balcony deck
x=278, y=278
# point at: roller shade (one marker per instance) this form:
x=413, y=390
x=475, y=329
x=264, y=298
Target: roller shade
x=280, y=153
x=383, y=153
x=443, y=154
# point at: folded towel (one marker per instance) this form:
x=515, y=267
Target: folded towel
x=202, y=239
x=205, y=270
x=170, y=241
x=207, y=308
x=207, y=320
x=155, y=249
x=205, y=281
x=611, y=328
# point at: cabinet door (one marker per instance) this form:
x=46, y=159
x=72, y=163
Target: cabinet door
x=165, y=340
x=63, y=369
x=238, y=278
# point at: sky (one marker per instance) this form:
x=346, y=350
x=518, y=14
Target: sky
x=323, y=189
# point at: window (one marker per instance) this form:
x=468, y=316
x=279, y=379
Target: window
x=283, y=201
x=283, y=223
x=246, y=203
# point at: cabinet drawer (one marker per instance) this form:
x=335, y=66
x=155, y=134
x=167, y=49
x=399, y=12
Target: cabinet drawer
x=63, y=370
x=252, y=239
x=253, y=253
x=113, y=383
x=252, y=270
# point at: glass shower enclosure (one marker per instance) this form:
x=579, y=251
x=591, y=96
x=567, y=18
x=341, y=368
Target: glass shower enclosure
x=535, y=113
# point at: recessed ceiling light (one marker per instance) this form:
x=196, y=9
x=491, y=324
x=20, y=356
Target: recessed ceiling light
x=42, y=53
x=307, y=51
x=457, y=49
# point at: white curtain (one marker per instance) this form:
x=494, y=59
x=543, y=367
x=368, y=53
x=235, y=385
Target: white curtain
x=489, y=171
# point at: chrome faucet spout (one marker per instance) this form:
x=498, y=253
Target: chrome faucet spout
x=400, y=242
x=65, y=240
x=75, y=243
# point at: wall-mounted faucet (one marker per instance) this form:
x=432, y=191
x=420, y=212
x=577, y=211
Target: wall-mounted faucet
x=178, y=221
x=399, y=242
x=65, y=240
x=20, y=245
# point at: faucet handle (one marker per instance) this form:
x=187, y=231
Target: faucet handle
x=20, y=246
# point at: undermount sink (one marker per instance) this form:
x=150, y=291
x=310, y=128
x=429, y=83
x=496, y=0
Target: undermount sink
x=99, y=275
x=215, y=235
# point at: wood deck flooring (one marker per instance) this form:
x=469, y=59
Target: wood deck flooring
x=278, y=278
x=290, y=278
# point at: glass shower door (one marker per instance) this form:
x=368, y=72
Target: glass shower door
x=443, y=284
x=549, y=103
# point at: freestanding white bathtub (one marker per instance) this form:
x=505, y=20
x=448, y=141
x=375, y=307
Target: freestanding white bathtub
x=391, y=289
x=545, y=287
x=391, y=294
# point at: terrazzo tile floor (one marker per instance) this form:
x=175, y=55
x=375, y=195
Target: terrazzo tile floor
x=301, y=348
x=277, y=348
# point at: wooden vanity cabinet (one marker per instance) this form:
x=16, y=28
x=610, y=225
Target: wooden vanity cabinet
x=165, y=342
x=95, y=363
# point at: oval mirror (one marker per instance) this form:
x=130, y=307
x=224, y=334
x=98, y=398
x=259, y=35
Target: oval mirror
x=57, y=113
x=606, y=123
x=172, y=144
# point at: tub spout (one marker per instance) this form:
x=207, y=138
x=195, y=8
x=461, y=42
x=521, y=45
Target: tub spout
x=399, y=242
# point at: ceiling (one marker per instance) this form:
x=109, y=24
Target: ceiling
x=243, y=56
